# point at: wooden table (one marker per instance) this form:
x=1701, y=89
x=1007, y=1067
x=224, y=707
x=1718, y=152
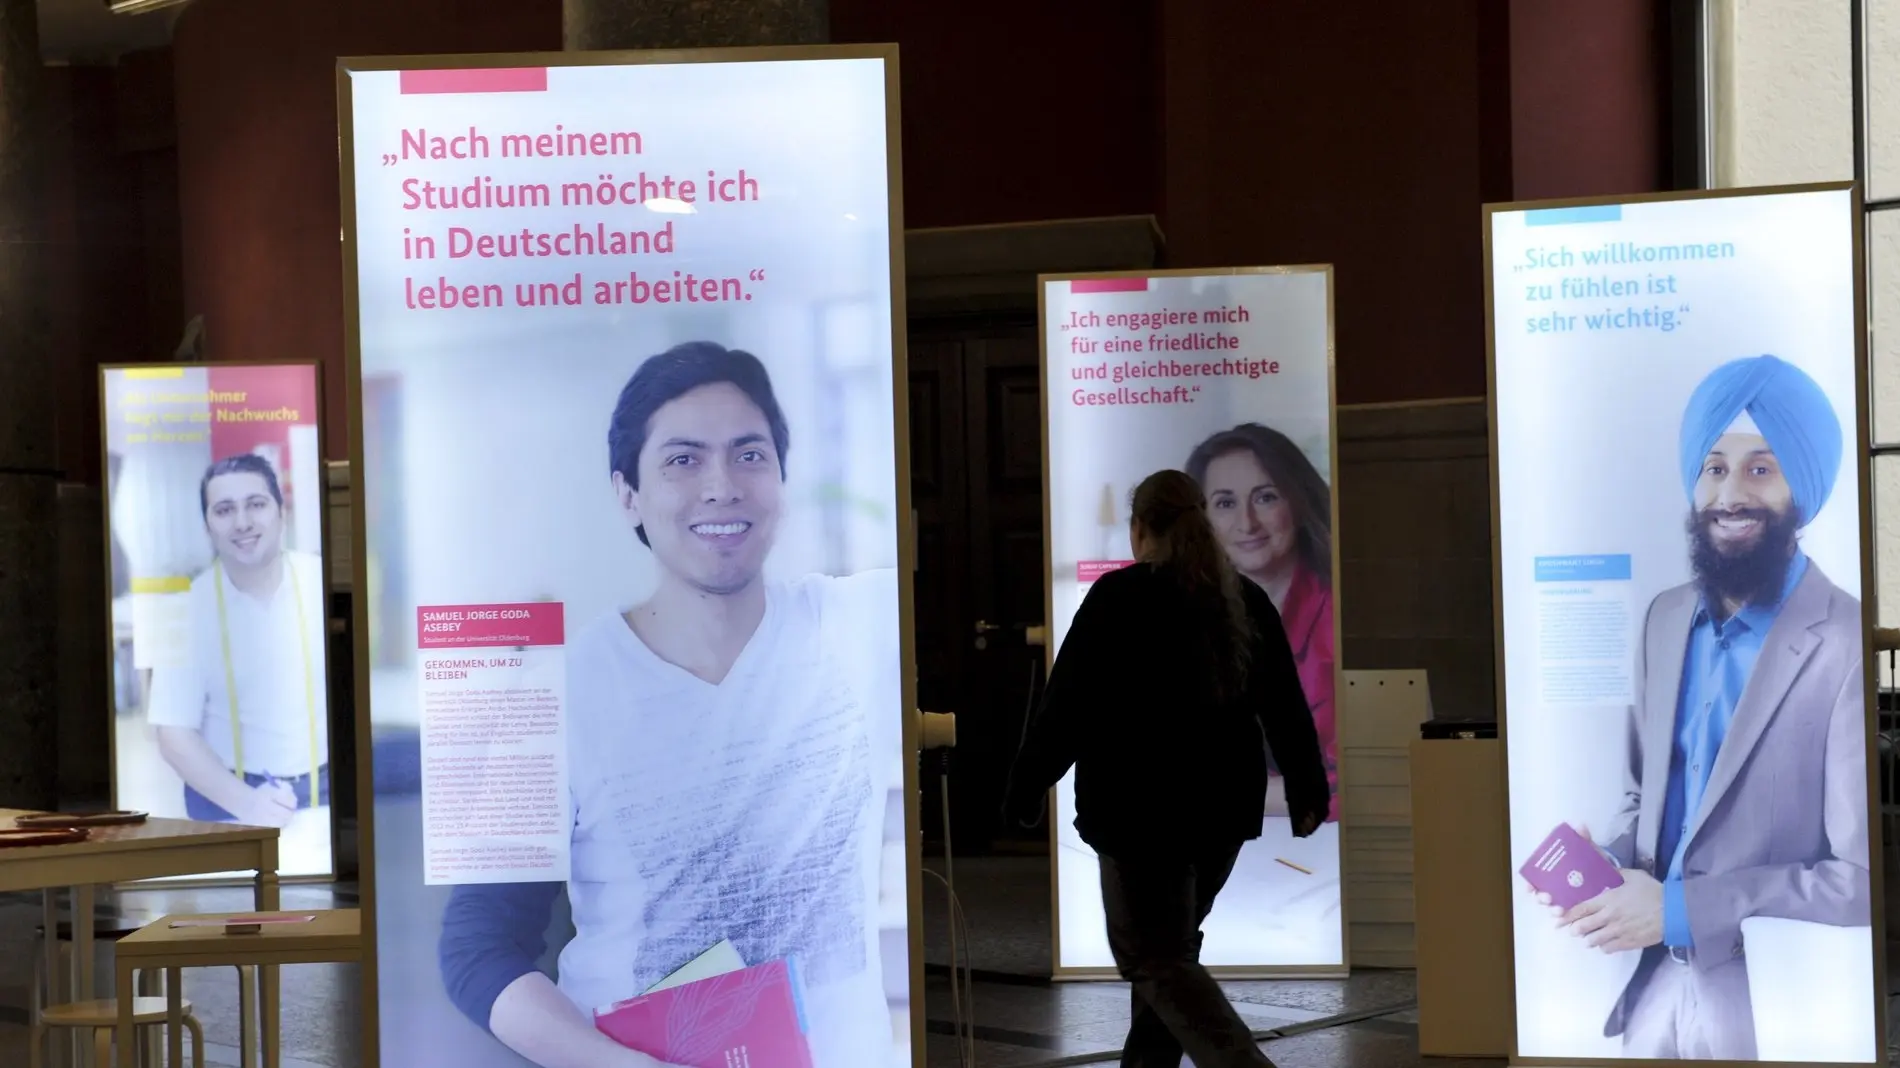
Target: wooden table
x=1462, y=858
x=155, y=849
x=332, y=936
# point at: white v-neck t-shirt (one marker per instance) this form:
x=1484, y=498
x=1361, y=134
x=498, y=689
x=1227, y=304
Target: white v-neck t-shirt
x=276, y=662
x=749, y=811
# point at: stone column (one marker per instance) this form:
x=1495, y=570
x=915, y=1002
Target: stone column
x=29, y=752
x=603, y=25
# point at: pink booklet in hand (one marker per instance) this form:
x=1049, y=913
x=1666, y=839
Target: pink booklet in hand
x=752, y=1016
x=1569, y=868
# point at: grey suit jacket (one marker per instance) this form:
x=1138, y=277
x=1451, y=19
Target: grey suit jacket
x=1783, y=826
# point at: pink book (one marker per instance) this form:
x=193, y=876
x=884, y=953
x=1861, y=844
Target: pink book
x=748, y=1017
x=241, y=921
x=1569, y=868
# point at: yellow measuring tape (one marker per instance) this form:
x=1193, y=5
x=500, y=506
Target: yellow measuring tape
x=309, y=673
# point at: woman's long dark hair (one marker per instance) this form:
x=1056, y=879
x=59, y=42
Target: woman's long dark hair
x=1293, y=475
x=1180, y=542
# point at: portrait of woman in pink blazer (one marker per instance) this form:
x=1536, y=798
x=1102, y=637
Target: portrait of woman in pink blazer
x=1273, y=513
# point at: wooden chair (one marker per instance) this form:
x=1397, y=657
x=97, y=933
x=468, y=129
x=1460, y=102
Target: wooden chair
x=105, y=932
x=46, y=989
x=101, y=1017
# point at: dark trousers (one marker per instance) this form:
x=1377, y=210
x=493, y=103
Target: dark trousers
x=1155, y=908
x=199, y=807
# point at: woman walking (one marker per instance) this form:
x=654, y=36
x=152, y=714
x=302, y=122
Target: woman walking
x=1173, y=683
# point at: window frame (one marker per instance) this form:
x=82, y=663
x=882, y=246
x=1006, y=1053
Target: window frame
x=1857, y=13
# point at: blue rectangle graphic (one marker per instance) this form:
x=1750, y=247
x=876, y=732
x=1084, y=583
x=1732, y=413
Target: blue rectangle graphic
x=1612, y=568
x=1567, y=216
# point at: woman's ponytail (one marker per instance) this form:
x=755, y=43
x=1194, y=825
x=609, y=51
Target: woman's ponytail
x=1172, y=512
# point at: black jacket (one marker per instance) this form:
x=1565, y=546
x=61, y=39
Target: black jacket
x=1162, y=763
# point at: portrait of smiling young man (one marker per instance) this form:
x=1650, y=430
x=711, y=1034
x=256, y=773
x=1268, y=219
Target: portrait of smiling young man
x=1745, y=785
x=242, y=719
x=732, y=739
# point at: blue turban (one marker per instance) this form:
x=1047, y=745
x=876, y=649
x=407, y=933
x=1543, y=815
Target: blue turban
x=1792, y=413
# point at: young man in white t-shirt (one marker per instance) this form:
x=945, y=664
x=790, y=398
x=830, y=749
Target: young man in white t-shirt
x=243, y=719
x=732, y=743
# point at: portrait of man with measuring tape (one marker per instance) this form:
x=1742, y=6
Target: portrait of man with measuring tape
x=242, y=718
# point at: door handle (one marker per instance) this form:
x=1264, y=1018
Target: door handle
x=1033, y=633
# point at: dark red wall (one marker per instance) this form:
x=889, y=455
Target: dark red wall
x=1589, y=98
x=1350, y=134
x=1365, y=135
x=1371, y=135
x=257, y=158
x=1017, y=110
x=112, y=252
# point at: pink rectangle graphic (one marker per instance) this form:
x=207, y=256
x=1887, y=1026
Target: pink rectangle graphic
x=490, y=626
x=1109, y=285
x=1090, y=570
x=497, y=80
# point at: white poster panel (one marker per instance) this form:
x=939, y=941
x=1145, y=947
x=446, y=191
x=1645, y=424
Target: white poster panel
x=1681, y=568
x=1226, y=375
x=219, y=599
x=633, y=597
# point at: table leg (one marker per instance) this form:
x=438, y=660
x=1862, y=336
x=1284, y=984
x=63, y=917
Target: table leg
x=174, y=1017
x=84, y=900
x=80, y=981
x=54, y=975
x=146, y=984
x=84, y=983
x=268, y=901
x=126, y=1037
x=49, y=946
x=247, y=1016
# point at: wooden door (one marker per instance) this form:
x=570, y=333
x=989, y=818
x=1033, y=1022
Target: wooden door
x=976, y=471
x=939, y=493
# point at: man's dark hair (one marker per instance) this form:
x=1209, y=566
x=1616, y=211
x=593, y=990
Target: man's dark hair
x=673, y=374
x=244, y=463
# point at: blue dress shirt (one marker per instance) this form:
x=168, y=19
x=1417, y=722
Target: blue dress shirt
x=1720, y=658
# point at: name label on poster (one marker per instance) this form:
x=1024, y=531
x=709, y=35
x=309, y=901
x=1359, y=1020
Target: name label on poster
x=494, y=743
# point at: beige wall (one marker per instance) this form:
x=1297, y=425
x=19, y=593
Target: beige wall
x=1782, y=91
x=1783, y=96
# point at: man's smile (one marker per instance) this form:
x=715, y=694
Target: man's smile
x=1734, y=528
x=723, y=532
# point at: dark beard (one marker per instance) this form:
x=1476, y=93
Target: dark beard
x=1753, y=576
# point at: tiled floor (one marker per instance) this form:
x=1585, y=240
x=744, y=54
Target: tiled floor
x=1365, y=1021
x=1020, y=1020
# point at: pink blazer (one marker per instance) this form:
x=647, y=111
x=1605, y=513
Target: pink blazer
x=1308, y=618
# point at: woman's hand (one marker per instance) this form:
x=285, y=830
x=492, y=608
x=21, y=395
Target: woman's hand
x=1024, y=812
